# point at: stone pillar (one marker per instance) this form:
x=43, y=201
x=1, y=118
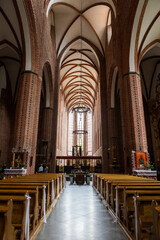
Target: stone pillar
x=133, y=115
x=26, y=118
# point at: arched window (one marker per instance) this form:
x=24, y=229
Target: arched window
x=109, y=27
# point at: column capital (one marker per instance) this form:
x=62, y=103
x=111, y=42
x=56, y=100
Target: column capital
x=131, y=73
x=48, y=108
x=30, y=72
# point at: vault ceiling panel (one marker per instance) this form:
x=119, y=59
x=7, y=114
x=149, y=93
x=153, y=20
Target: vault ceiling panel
x=155, y=51
x=7, y=51
x=79, y=87
x=85, y=55
x=150, y=13
x=5, y=32
x=63, y=18
x=86, y=50
x=153, y=34
x=72, y=33
x=75, y=81
x=78, y=61
x=149, y=66
x=88, y=33
x=84, y=4
x=96, y=15
x=13, y=68
x=148, y=69
x=11, y=14
x=155, y=77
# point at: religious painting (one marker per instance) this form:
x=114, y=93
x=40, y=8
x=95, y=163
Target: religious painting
x=141, y=160
x=17, y=160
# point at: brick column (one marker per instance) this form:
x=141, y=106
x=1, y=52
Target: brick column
x=133, y=115
x=26, y=117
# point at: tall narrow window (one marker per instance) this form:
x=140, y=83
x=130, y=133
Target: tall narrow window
x=70, y=133
x=89, y=119
x=80, y=126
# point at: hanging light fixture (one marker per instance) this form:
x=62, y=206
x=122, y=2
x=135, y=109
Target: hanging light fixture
x=80, y=109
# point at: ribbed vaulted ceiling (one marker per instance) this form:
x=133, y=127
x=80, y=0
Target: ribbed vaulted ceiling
x=80, y=27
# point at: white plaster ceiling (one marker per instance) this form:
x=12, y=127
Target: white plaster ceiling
x=80, y=28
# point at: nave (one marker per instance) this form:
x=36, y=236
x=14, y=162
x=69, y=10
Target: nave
x=80, y=215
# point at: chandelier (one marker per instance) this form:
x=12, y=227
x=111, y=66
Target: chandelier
x=81, y=109
x=80, y=131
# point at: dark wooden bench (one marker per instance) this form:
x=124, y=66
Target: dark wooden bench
x=18, y=213
x=34, y=208
x=6, y=227
x=144, y=216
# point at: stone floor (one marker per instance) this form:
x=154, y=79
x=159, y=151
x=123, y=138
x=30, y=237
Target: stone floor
x=80, y=215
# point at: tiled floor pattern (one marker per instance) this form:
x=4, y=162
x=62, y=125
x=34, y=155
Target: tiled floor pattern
x=80, y=215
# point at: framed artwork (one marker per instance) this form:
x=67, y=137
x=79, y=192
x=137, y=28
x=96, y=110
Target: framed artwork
x=141, y=160
x=18, y=160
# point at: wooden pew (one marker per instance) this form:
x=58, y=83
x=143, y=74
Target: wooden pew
x=34, y=209
x=39, y=195
x=128, y=205
x=29, y=185
x=47, y=179
x=111, y=188
x=156, y=220
x=39, y=182
x=40, y=179
x=16, y=187
x=143, y=216
x=6, y=228
x=118, y=197
x=18, y=214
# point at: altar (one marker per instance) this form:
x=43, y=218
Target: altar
x=14, y=172
x=145, y=173
x=79, y=177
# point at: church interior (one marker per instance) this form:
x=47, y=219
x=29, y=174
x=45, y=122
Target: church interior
x=79, y=114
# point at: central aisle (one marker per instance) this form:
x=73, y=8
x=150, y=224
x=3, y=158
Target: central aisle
x=80, y=215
